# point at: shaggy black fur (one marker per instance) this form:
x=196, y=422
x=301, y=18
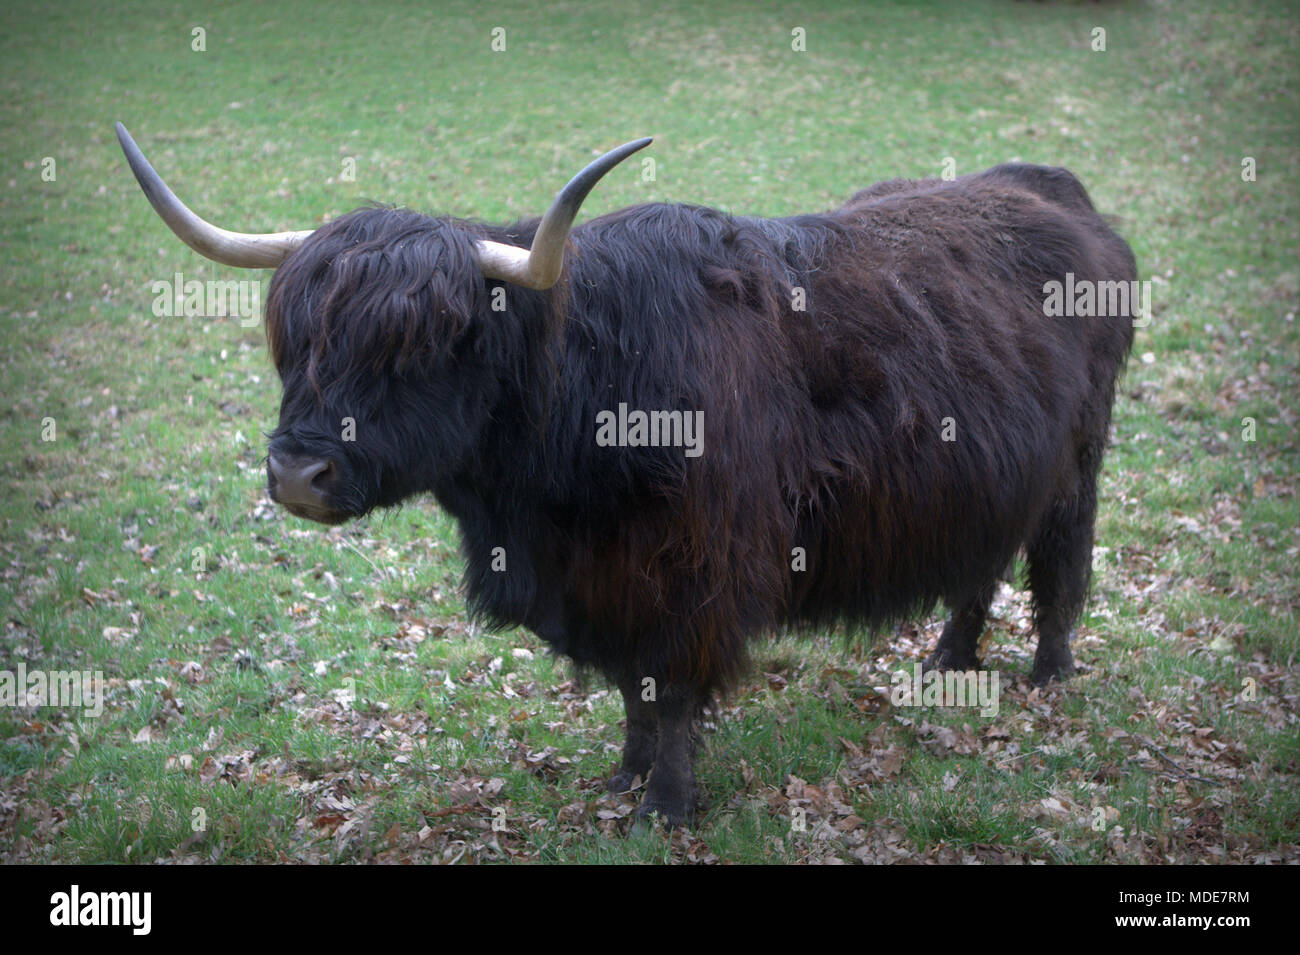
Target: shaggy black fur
x=822, y=427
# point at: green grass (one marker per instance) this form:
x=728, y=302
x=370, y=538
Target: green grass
x=321, y=695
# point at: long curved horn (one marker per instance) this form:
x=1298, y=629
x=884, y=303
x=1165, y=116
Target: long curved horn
x=539, y=268
x=241, y=249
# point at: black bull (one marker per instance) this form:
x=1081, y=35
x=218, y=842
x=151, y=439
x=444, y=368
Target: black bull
x=672, y=429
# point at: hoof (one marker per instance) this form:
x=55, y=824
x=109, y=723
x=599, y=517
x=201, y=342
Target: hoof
x=624, y=782
x=674, y=812
x=1053, y=662
x=675, y=804
x=1045, y=675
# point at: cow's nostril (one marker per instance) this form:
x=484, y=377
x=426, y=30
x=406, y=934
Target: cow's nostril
x=322, y=475
x=299, y=480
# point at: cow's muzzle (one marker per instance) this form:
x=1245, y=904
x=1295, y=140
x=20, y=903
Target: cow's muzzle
x=301, y=485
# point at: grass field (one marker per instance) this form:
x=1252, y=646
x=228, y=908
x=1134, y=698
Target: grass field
x=280, y=692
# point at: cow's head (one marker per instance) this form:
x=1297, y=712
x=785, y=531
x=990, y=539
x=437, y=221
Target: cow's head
x=372, y=320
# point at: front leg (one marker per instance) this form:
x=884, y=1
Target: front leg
x=642, y=737
x=957, y=648
x=671, y=791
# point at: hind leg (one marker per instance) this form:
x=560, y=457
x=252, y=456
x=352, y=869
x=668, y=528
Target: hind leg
x=957, y=648
x=1060, y=565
